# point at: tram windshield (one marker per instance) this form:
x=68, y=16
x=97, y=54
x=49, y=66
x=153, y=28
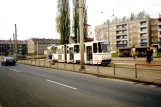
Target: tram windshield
x=105, y=47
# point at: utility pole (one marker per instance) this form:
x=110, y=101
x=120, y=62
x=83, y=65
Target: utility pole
x=13, y=44
x=20, y=48
x=37, y=50
x=108, y=30
x=10, y=48
x=16, y=40
x=82, y=65
x=78, y=35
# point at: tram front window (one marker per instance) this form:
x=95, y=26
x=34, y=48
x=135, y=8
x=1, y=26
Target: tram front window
x=105, y=47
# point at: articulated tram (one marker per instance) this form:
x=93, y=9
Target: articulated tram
x=96, y=52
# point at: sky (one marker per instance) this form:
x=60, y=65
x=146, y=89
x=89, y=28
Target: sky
x=36, y=18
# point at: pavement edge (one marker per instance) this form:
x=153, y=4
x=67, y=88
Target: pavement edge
x=137, y=80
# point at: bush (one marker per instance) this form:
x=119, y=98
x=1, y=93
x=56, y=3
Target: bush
x=159, y=54
x=114, y=55
x=159, y=50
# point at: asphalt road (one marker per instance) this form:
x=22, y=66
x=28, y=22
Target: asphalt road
x=28, y=86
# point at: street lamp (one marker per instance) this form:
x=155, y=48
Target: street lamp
x=108, y=30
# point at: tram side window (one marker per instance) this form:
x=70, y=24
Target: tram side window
x=55, y=50
x=59, y=51
x=94, y=47
x=108, y=48
x=99, y=47
x=76, y=49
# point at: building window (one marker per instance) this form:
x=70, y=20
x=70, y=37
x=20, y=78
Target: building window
x=153, y=40
x=153, y=34
x=153, y=22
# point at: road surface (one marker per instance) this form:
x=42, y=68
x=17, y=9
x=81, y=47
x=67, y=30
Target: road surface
x=28, y=86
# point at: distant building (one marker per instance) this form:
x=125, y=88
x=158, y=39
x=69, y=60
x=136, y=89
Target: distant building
x=41, y=44
x=7, y=47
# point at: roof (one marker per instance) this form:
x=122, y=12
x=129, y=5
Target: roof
x=46, y=41
x=4, y=42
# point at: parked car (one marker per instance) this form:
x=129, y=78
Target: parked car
x=8, y=60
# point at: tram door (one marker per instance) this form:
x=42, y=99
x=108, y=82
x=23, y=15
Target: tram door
x=89, y=53
x=59, y=54
x=71, y=53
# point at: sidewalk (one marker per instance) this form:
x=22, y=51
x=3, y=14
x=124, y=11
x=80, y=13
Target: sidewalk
x=139, y=59
x=127, y=71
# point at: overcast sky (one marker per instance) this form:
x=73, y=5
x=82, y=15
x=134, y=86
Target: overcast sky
x=36, y=18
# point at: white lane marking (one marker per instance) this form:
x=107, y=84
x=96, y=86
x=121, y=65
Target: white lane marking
x=153, y=86
x=139, y=83
x=129, y=82
x=14, y=70
x=61, y=84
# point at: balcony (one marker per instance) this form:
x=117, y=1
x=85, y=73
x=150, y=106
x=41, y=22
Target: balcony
x=118, y=27
x=144, y=37
x=159, y=42
x=159, y=21
x=124, y=33
x=159, y=35
x=143, y=25
x=119, y=45
x=143, y=31
x=121, y=39
x=122, y=42
x=159, y=28
x=124, y=27
x=143, y=43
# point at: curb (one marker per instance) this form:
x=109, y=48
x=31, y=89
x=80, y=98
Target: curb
x=135, y=60
x=137, y=80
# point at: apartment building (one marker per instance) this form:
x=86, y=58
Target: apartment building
x=7, y=47
x=156, y=32
x=159, y=32
x=125, y=34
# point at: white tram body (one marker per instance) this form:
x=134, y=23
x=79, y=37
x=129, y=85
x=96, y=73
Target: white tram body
x=96, y=52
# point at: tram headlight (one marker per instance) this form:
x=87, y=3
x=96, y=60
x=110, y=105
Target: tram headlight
x=104, y=57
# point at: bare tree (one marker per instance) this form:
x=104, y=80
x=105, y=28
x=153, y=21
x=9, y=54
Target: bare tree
x=124, y=19
x=132, y=16
x=143, y=14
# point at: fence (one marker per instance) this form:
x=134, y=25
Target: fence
x=150, y=72
x=63, y=65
